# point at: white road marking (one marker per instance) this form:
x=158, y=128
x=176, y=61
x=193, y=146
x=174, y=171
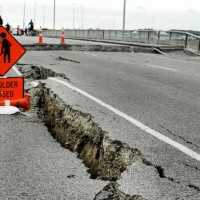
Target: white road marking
x=16, y=70
x=172, y=59
x=145, y=128
x=90, y=54
x=162, y=67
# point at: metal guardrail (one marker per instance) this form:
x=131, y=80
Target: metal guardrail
x=185, y=39
x=190, y=40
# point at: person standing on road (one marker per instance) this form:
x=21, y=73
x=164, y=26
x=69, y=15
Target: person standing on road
x=18, y=30
x=1, y=21
x=26, y=31
x=7, y=27
x=31, y=26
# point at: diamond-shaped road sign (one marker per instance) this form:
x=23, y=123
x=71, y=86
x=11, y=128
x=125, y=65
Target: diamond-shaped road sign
x=10, y=51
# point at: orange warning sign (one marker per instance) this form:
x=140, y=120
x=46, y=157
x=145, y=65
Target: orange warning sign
x=10, y=51
x=11, y=88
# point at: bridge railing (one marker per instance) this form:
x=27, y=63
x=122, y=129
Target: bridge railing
x=185, y=39
x=178, y=38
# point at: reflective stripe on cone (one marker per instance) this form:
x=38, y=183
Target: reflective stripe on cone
x=62, y=41
x=40, y=37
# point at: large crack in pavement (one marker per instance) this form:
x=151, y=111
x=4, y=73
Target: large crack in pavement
x=178, y=136
x=111, y=191
x=32, y=72
x=75, y=130
x=105, y=158
x=66, y=59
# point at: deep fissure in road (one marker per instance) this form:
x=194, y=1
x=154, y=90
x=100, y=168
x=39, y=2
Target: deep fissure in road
x=76, y=131
x=106, y=159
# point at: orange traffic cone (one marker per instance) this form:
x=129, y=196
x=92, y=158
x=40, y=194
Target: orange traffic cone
x=40, y=37
x=21, y=103
x=62, y=36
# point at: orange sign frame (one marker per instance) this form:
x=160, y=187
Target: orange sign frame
x=11, y=88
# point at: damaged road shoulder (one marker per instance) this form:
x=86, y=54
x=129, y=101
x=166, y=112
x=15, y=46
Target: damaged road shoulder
x=77, y=131
x=105, y=159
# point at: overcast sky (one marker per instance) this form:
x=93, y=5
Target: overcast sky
x=104, y=14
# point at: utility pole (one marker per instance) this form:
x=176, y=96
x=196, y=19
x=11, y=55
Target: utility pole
x=35, y=14
x=82, y=16
x=44, y=16
x=24, y=14
x=124, y=19
x=73, y=13
x=54, y=15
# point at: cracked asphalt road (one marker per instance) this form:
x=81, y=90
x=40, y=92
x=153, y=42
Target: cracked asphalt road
x=34, y=166
x=159, y=91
